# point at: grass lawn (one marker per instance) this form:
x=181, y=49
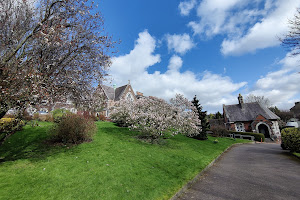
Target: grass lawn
x=115, y=165
x=296, y=154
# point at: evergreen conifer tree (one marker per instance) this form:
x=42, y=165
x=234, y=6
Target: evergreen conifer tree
x=202, y=117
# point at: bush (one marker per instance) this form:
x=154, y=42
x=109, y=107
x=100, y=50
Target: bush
x=57, y=114
x=26, y=116
x=49, y=118
x=8, y=126
x=291, y=139
x=73, y=129
x=102, y=118
x=219, y=131
x=36, y=116
x=257, y=136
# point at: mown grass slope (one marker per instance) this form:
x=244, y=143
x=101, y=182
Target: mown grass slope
x=115, y=165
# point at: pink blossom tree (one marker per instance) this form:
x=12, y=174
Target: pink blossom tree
x=51, y=50
x=154, y=117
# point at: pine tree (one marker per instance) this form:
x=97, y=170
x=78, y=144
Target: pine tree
x=202, y=117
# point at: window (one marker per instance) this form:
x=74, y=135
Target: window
x=129, y=97
x=239, y=127
x=44, y=110
x=73, y=110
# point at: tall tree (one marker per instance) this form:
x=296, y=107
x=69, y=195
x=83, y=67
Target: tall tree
x=51, y=50
x=202, y=116
x=218, y=115
x=260, y=99
x=291, y=41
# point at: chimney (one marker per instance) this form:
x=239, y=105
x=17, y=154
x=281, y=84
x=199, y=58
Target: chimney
x=241, y=101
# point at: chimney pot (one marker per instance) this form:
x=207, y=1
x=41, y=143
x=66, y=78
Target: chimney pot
x=240, y=99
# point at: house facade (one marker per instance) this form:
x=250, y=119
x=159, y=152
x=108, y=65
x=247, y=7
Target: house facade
x=114, y=94
x=251, y=117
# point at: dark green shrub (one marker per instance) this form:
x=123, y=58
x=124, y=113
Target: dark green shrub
x=73, y=129
x=219, y=131
x=290, y=138
x=257, y=136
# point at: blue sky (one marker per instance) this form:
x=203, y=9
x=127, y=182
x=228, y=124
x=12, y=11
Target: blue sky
x=214, y=49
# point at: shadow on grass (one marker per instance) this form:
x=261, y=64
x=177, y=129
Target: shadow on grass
x=30, y=143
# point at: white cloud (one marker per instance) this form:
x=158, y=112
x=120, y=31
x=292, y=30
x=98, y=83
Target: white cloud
x=246, y=25
x=175, y=63
x=186, y=6
x=282, y=86
x=216, y=17
x=179, y=43
x=263, y=34
x=213, y=90
x=139, y=59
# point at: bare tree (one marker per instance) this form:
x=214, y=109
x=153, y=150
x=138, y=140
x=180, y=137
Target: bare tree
x=291, y=41
x=54, y=50
x=260, y=99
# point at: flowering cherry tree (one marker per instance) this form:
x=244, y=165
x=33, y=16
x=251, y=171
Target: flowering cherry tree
x=51, y=50
x=189, y=123
x=154, y=117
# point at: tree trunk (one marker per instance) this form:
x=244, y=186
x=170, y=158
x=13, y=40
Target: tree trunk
x=3, y=109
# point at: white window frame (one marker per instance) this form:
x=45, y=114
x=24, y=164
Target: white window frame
x=240, y=127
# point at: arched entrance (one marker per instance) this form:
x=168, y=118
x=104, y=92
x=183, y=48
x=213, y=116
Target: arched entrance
x=262, y=128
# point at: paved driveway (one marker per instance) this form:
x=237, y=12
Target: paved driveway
x=252, y=171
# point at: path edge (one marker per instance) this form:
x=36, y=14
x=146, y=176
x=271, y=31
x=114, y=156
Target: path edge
x=196, y=178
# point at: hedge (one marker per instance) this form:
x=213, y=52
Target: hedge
x=290, y=138
x=257, y=136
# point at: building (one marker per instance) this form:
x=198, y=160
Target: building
x=114, y=94
x=111, y=96
x=251, y=117
x=296, y=110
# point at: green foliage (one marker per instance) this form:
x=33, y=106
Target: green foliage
x=291, y=139
x=203, y=118
x=257, y=136
x=218, y=115
x=73, y=129
x=57, y=114
x=114, y=166
x=8, y=126
x=219, y=131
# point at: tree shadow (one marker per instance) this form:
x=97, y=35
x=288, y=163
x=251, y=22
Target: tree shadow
x=30, y=143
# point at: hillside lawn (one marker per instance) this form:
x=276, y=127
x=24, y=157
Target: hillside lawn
x=115, y=165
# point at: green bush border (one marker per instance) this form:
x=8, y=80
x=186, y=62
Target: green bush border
x=290, y=138
x=257, y=136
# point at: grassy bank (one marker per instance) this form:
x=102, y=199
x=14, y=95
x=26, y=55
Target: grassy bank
x=115, y=165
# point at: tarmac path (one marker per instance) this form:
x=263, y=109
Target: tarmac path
x=251, y=171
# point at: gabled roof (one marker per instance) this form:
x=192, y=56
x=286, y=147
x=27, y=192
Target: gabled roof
x=109, y=92
x=119, y=91
x=247, y=112
x=114, y=94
